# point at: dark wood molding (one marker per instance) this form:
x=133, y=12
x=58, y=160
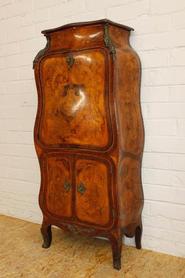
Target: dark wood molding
x=94, y=22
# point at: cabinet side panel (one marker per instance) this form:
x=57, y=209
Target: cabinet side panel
x=130, y=125
x=131, y=194
x=127, y=75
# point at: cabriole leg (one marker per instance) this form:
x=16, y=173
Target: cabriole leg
x=138, y=235
x=116, y=244
x=46, y=234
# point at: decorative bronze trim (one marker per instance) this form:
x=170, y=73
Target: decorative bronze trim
x=41, y=52
x=75, y=87
x=70, y=61
x=108, y=41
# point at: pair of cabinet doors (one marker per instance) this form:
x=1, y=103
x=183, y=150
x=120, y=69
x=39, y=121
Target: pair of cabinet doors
x=78, y=188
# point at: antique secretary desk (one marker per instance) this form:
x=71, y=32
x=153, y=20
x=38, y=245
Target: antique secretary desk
x=89, y=133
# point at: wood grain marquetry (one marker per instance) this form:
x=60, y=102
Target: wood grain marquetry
x=92, y=187
x=59, y=187
x=89, y=133
x=74, y=105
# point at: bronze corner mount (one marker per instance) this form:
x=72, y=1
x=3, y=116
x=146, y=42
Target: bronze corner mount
x=108, y=42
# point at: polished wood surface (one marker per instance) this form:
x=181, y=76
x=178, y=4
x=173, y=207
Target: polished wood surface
x=93, y=204
x=89, y=133
x=59, y=186
x=74, y=109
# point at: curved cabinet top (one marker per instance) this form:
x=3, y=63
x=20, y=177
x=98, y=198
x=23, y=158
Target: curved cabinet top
x=85, y=35
x=95, y=22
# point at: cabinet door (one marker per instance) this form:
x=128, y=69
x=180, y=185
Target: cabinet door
x=75, y=100
x=58, y=191
x=92, y=192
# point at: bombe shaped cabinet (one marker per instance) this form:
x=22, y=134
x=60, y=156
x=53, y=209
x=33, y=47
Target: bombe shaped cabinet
x=89, y=133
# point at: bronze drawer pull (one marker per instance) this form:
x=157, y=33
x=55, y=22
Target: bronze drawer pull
x=81, y=188
x=67, y=186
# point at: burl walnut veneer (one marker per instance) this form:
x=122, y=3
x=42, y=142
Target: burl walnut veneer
x=89, y=133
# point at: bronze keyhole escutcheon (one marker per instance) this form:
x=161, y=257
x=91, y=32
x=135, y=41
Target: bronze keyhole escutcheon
x=81, y=188
x=70, y=61
x=67, y=186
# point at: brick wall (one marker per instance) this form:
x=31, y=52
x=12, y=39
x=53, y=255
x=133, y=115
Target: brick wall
x=159, y=39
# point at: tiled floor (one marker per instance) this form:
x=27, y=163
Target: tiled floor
x=73, y=256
